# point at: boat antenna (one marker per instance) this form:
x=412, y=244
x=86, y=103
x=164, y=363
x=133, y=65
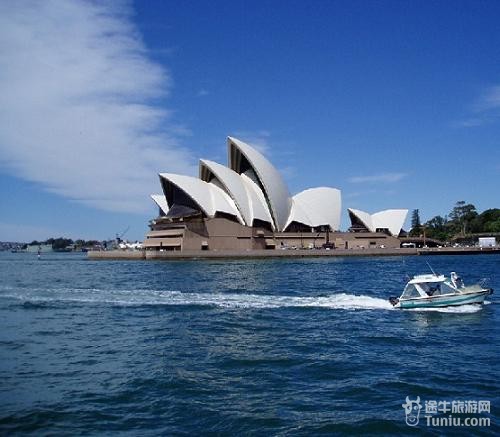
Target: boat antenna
x=432, y=270
x=405, y=269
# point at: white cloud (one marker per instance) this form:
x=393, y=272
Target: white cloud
x=486, y=109
x=381, y=178
x=79, y=112
x=489, y=100
x=354, y=194
x=469, y=122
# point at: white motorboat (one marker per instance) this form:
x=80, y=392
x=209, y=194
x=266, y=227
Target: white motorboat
x=434, y=291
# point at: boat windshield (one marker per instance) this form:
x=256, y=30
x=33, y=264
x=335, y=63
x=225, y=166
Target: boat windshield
x=431, y=288
x=427, y=289
x=436, y=288
x=410, y=291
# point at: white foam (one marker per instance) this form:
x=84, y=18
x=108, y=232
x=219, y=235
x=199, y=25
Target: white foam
x=224, y=300
x=462, y=309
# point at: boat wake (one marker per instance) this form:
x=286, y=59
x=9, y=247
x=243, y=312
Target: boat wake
x=462, y=309
x=223, y=300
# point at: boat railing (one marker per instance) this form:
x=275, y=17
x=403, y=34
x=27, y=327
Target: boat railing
x=473, y=287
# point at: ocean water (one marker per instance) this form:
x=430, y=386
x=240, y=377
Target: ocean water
x=237, y=347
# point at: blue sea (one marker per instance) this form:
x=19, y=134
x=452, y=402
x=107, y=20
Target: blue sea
x=240, y=347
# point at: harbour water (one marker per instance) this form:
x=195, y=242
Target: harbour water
x=252, y=347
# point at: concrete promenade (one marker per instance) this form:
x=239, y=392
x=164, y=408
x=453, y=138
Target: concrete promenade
x=300, y=253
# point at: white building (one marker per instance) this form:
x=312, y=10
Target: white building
x=249, y=190
x=247, y=205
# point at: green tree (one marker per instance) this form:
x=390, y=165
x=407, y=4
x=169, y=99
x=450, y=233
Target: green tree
x=438, y=228
x=462, y=215
x=416, y=225
x=492, y=227
x=61, y=243
x=486, y=222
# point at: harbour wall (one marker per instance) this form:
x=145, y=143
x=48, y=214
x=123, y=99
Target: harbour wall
x=299, y=253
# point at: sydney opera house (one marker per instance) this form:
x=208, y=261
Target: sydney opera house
x=246, y=205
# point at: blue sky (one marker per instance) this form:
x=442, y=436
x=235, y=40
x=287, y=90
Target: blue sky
x=397, y=104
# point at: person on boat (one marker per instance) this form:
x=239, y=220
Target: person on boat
x=456, y=280
x=432, y=290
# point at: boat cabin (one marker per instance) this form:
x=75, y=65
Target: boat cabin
x=428, y=285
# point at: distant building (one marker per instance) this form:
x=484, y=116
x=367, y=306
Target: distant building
x=487, y=242
x=245, y=206
x=39, y=247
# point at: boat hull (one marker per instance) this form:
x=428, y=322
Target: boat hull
x=445, y=300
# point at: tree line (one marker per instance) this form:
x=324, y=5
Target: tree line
x=463, y=220
x=63, y=243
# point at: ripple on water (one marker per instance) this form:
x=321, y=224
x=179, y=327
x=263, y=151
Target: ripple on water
x=249, y=347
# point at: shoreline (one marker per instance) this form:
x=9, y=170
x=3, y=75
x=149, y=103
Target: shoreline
x=299, y=253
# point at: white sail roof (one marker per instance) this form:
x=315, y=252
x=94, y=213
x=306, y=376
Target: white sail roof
x=273, y=186
x=317, y=207
x=363, y=217
x=209, y=197
x=161, y=201
x=232, y=183
x=391, y=219
x=259, y=209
